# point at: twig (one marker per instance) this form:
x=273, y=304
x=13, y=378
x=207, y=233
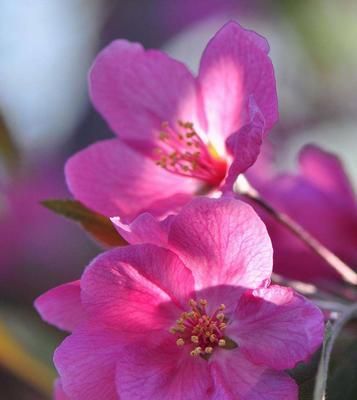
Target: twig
x=243, y=187
x=331, y=334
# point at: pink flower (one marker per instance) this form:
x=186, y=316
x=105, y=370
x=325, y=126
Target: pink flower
x=319, y=197
x=185, y=313
x=178, y=136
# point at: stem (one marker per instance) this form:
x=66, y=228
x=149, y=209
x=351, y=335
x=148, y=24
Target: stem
x=243, y=187
x=331, y=334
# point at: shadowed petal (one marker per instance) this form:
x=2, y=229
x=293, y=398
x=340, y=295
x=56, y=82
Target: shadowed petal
x=236, y=377
x=164, y=373
x=276, y=327
x=61, y=306
x=86, y=363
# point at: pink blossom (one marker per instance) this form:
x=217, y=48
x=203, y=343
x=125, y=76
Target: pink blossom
x=319, y=197
x=178, y=135
x=187, y=312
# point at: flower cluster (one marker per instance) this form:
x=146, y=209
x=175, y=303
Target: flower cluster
x=186, y=310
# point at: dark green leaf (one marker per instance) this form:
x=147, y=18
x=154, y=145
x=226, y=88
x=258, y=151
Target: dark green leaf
x=96, y=224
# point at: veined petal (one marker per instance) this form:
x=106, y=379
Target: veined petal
x=136, y=290
x=162, y=373
x=136, y=90
x=86, y=363
x=236, y=377
x=111, y=178
x=276, y=327
x=223, y=242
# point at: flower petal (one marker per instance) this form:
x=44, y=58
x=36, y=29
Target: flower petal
x=162, y=373
x=59, y=394
x=86, y=363
x=276, y=327
x=136, y=90
x=113, y=179
x=326, y=171
x=223, y=242
x=61, y=306
x=145, y=229
x=237, y=378
x=245, y=145
x=136, y=289
x=234, y=67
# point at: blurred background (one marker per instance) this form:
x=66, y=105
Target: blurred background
x=46, y=48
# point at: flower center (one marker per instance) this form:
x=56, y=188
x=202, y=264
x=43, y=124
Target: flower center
x=183, y=152
x=200, y=331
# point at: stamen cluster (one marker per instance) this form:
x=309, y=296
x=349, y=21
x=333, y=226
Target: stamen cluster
x=202, y=332
x=183, y=152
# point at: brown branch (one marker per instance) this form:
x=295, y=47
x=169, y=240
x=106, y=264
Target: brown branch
x=243, y=187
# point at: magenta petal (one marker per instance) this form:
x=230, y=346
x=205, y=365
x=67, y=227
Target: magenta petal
x=234, y=67
x=112, y=179
x=144, y=229
x=223, y=242
x=245, y=145
x=136, y=289
x=325, y=171
x=136, y=90
x=163, y=373
x=86, y=363
x=276, y=327
x=236, y=377
x=59, y=394
x=61, y=306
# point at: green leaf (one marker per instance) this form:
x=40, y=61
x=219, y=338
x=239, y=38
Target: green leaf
x=96, y=224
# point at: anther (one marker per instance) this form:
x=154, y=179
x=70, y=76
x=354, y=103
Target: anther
x=194, y=339
x=220, y=316
x=208, y=350
x=180, y=342
x=221, y=343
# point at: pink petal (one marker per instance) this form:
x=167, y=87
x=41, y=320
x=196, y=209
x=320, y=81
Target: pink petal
x=163, y=373
x=234, y=67
x=86, y=363
x=61, y=306
x=326, y=171
x=136, y=290
x=59, y=393
x=136, y=90
x=223, y=242
x=144, y=229
x=276, y=327
x=245, y=145
x=237, y=378
x=113, y=179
